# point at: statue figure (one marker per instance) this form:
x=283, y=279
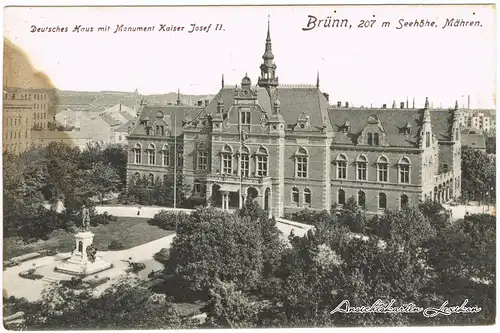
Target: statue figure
x=85, y=219
x=91, y=253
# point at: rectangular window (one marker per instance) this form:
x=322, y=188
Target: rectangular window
x=245, y=165
x=197, y=187
x=202, y=160
x=382, y=172
x=404, y=174
x=302, y=167
x=227, y=164
x=166, y=157
x=361, y=171
x=262, y=166
x=151, y=157
x=427, y=139
x=341, y=170
x=137, y=154
x=245, y=117
x=445, y=167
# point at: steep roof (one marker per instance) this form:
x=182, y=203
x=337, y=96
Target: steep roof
x=111, y=121
x=476, y=141
x=127, y=116
x=119, y=108
x=180, y=111
x=393, y=121
x=124, y=128
x=294, y=100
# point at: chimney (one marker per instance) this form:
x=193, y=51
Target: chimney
x=384, y=106
x=206, y=102
x=468, y=102
x=339, y=104
x=327, y=96
x=346, y=104
x=402, y=105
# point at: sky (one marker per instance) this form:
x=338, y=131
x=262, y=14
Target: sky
x=362, y=66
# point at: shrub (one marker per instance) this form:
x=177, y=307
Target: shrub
x=168, y=220
x=116, y=245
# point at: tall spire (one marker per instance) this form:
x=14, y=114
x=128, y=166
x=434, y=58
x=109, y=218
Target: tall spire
x=317, y=80
x=178, y=97
x=222, y=80
x=268, y=77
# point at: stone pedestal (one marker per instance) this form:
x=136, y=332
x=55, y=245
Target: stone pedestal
x=79, y=263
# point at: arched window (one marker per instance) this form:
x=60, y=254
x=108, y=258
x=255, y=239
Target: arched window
x=341, y=162
x=151, y=179
x=295, y=196
x=382, y=201
x=404, y=170
x=307, y=197
x=361, y=166
x=137, y=153
x=165, y=155
x=375, y=139
x=301, y=159
x=245, y=161
x=369, y=139
x=427, y=139
x=382, y=169
x=404, y=201
x=261, y=159
x=151, y=152
x=341, y=197
x=227, y=160
x=197, y=186
x=361, y=198
x=137, y=177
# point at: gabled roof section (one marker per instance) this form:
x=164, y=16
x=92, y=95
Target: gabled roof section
x=181, y=112
x=294, y=100
x=442, y=121
x=124, y=128
x=393, y=122
x=111, y=121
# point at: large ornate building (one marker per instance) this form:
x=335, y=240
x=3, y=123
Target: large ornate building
x=288, y=148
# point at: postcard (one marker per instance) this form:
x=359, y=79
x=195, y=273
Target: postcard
x=188, y=167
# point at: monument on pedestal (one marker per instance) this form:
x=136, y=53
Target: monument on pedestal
x=84, y=260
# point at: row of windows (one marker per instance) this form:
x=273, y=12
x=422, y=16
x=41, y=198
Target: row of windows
x=361, y=199
x=296, y=195
x=40, y=116
x=26, y=96
x=15, y=135
x=382, y=168
x=40, y=106
x=16, y=121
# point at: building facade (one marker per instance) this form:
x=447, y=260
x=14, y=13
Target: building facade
x=287, y=148
x=483, y=120
x=17, y=121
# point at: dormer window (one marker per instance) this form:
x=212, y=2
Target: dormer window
x=346, y=127
x=407, y=129
x=375, y=139
x=245, y=116
x=369, y=139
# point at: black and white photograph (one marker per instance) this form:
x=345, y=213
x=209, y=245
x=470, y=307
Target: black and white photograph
x=248, y=166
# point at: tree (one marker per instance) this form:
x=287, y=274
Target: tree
x=435, y=213
x=213, y=244
x=229, y=308
x=101, y=179
x=128, y=304
x=353, y=216
x=478, y=173
x=406, y=227
x=116, y=156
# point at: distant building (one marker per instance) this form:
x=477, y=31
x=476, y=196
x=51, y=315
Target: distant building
x=73, y=139
x=17, y=121
x=474, y=140
x=121, y=113
x=483, y=120
x=287, y=148
x=122, y=132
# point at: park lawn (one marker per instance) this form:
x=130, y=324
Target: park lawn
x=130, y=231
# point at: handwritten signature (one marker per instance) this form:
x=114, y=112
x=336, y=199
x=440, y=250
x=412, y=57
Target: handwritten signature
x=389, y=307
